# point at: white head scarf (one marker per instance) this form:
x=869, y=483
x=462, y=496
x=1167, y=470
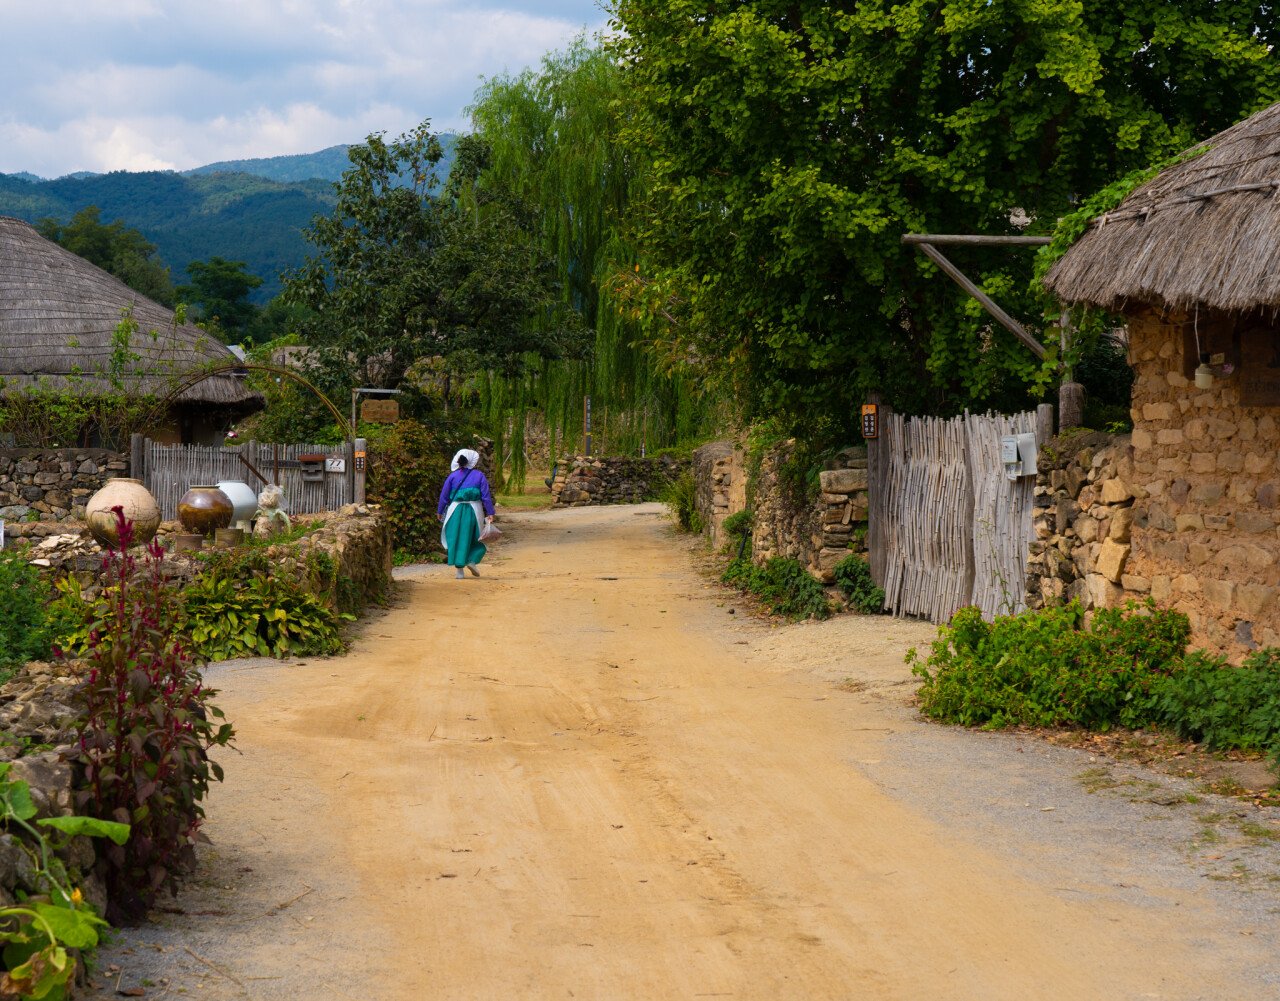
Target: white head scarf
x=470, y=454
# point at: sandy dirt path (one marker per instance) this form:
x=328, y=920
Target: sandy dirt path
x=577, y=777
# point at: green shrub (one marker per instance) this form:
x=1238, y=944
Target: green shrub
x=1047, y=668
x=738, y=525
x=681, y=497
x=24, y=623
x=267, y=617
x=853, y=577
x=1221, y=706
x=784, y=585
x=407, y=468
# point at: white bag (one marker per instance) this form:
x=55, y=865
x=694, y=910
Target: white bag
x=490, y=532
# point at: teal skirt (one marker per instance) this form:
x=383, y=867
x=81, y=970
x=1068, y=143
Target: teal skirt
x=460, y=534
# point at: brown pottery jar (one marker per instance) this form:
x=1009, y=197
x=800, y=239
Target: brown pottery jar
x=138, y=506
x=204, y=509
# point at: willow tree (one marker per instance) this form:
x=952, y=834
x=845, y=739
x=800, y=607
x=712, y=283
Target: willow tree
x=551, y=139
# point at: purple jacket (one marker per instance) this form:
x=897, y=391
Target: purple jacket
x=460, y=478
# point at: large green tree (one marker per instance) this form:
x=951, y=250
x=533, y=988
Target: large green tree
x=792, y=144
x=114, y=247
x=405, y=270
x=220, y=290
x=553, y=141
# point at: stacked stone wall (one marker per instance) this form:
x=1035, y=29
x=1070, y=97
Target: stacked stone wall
x=53, y=484
x=583, y=480
x=1083, y=523
x=720, y=486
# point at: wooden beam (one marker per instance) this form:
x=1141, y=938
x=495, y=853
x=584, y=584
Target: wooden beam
x=978, y=241
x=989, y=304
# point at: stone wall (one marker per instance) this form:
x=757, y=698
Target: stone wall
x=720, y=486
x=53, y=484
x=582, y=480
x=1083, y=523
x=1207, y=484
x=786, y=520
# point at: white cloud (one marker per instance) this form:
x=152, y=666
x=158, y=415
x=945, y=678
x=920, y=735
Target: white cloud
x=137, y=84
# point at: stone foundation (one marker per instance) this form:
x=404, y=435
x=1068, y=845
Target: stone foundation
x=583, y=480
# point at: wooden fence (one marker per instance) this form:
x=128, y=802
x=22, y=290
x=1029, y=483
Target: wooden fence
x=948, y=528
x=169, y=470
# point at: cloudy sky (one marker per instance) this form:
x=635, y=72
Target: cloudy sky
x=158, y=84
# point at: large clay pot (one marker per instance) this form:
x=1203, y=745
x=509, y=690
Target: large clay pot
x=138, y=505
x=243, y=500
x=204, y=509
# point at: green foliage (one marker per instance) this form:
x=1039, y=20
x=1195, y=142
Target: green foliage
x=1221, y=706
x=407, y=468
x=681, y=497
x=115, y=248
x=220, y=290
x=551, y=139
x=147, y=727
x=738, y=525
x=25, y=631
x=1048, y=668
x=784, y=586
x=36, y=934
x=789, y=147
x=404, y=271
x=266, y=616
x=853, y=577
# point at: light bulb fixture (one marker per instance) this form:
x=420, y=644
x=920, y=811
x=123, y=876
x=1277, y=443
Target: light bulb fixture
x=1204, y=376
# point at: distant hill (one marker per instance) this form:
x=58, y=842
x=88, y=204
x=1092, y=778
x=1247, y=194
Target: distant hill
x=244, y=210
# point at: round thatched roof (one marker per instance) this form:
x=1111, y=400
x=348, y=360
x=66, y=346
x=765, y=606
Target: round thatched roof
x=58, y=316
x=1204, y=232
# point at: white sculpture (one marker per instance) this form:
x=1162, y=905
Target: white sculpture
x=271, y=516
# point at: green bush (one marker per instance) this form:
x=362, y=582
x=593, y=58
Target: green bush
x=853, y=577
x=784, y=585
x=680, y=496
x=1223, y=707
x=267, y=617
x=1047, y=668
x=408, y=466
x=24, y=622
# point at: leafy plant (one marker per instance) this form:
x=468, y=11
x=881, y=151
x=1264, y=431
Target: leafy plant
x=24, y=621
x=738, y=525
x=853, y=577
x=146, y=730
x=681, y=497
x=784, y=585
x=1048, y=667
x=39, y=933
x=1224, y=707
x=406, y=471
x=267, y=616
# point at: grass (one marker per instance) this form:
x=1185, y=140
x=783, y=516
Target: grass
x=525, y=502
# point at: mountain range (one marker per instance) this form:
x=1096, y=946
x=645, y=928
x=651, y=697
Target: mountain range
x=243, y=210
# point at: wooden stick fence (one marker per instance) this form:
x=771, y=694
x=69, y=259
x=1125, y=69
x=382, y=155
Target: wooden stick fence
x=169, y=470
x=949, y=529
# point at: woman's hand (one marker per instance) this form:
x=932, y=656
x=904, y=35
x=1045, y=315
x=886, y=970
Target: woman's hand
x=488, y=519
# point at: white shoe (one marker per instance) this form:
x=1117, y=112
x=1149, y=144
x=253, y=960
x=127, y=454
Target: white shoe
x=460, y=574
x=472, y=568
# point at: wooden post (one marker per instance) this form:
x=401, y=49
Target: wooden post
x=1044, y=423
x=1070, y=406
x=877, y=476
x=586, y=425
x=138, y=457
x=359, y=464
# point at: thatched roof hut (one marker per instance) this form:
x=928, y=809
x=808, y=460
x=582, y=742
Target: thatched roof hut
x=58, y=320
x=1204, y=233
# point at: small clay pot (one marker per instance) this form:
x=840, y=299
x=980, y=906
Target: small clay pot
x=205, y=509
x=138, y=505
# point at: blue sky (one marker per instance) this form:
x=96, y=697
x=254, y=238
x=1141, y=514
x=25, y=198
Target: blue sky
x=172, y=84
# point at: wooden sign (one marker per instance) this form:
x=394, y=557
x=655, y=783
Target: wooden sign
x=360, y=457
x=870, y=420
x=380, y=411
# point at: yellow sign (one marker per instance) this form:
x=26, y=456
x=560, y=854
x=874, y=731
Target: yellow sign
x=380, y=411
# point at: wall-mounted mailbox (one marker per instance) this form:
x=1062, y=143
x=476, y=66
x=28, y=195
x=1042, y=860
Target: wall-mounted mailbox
x=1018, y=453
x=312, y=468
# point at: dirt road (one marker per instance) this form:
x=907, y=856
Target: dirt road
x=578, y=777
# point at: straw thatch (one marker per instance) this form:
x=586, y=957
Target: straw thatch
x=1204, y=232
x=58, y=314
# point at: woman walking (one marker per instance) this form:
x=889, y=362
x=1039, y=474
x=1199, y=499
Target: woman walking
x=465, y=499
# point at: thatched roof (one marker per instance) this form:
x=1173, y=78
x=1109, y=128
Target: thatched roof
x=1204, y=232
x=58, y=316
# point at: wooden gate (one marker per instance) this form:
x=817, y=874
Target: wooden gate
x=169, y=470
x=948, y=528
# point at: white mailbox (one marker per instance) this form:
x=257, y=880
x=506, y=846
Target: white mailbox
x=1018, y=453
